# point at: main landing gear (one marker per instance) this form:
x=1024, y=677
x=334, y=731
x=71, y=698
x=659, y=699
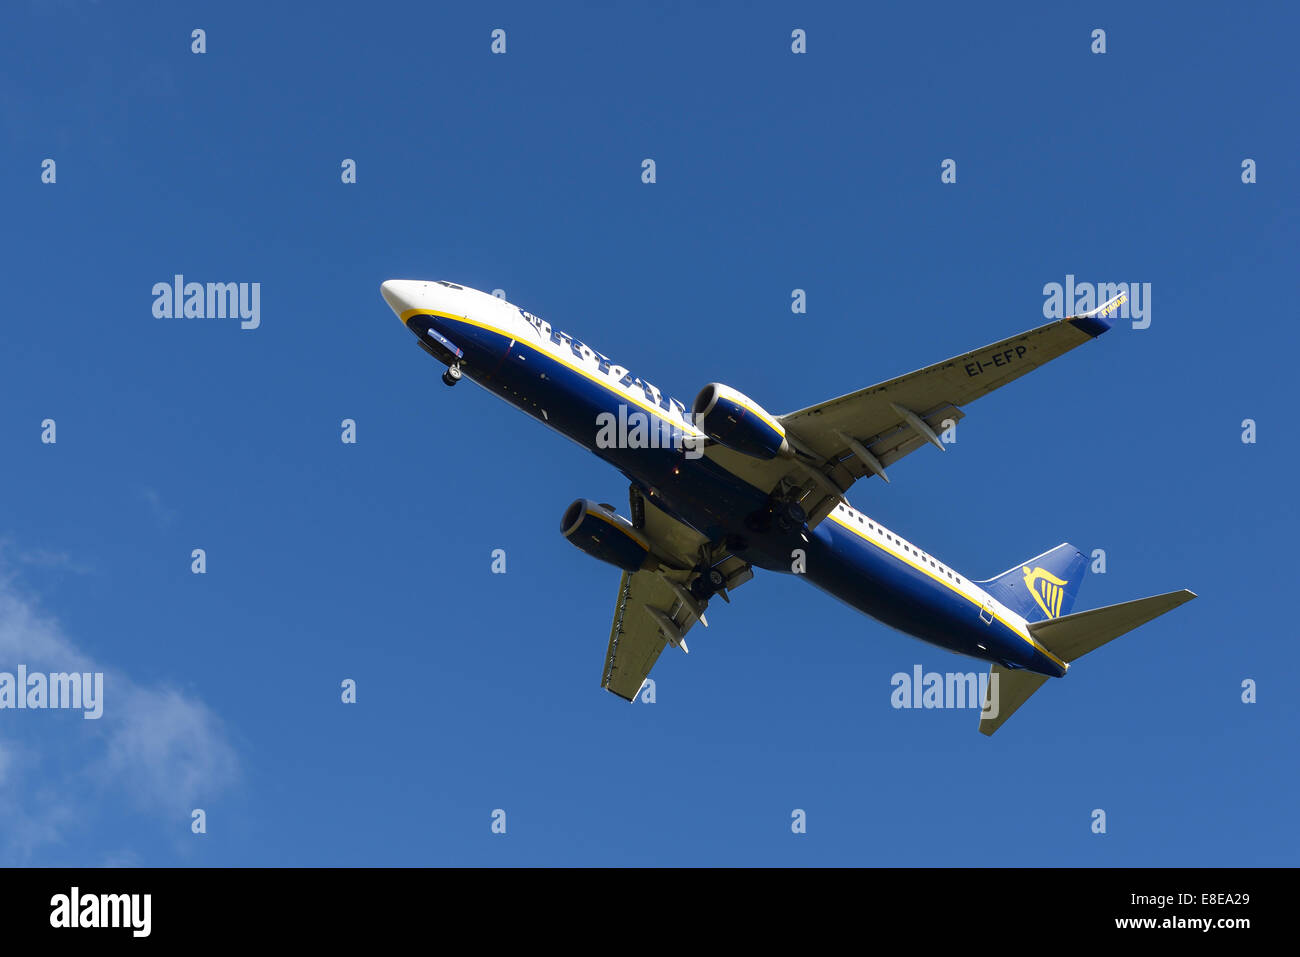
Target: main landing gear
x=452, y=375
x=707, y=583
x=787, y=514
x=790, y=515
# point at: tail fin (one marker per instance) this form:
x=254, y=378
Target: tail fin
x=1043, y=587
x=1070, y=638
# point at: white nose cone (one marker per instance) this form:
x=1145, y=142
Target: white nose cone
x=400, y=294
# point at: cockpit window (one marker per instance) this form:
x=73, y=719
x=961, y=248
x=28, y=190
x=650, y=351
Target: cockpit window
x=449, y=285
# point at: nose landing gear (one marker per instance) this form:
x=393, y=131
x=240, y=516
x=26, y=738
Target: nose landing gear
x=452, y=375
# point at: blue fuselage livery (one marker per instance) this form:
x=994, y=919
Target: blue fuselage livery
x=725, y=487
x=566, y=385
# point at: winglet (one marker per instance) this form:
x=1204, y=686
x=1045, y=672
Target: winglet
x=1094, y=323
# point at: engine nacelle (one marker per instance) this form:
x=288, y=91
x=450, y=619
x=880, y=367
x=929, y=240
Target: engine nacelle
x=738, y=422
x=604, y=534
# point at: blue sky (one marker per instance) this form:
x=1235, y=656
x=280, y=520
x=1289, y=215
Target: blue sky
x=521, y=171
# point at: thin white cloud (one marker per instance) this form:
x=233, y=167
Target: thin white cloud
x=155, y=748
x=162, y=514
x=169, y=746
x=46, y=559
x=54, y=561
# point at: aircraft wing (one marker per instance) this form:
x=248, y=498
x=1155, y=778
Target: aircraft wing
x=654, y=605
x=865, y=432
x=672, y=539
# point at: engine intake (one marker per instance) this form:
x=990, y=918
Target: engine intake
x=604, y=534
x=735, y=420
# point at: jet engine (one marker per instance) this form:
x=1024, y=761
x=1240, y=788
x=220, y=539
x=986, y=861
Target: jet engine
x=738, y=422
x=604, y=534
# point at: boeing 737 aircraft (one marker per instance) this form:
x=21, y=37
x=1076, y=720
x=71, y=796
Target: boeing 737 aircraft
x=729, y=487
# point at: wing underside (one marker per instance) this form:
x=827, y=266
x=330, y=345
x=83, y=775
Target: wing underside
x=655, y=606
x=862, y=433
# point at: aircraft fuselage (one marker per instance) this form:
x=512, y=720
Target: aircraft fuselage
x=568, y=386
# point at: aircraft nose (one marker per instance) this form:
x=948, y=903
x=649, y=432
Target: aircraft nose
x=400, y=294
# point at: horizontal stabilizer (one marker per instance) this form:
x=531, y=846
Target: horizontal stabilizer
x=1075, y=635
x=1069, y=638
x=1009, y=689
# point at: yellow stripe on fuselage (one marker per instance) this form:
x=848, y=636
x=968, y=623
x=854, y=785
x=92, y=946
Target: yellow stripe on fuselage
x=951, y=585
x=652, y=409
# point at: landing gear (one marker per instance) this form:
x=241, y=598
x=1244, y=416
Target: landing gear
x=707, y=583
x=790, y=515
x=787, y=514
x=452, y=375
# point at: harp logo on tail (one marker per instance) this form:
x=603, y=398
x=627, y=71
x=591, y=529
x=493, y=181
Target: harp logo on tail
x=1047, y=589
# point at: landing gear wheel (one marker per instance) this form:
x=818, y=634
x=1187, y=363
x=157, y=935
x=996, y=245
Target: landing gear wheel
x=707, y=584
x=790, y=515
x=452, y=375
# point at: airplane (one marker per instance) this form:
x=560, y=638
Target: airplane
x=727, y=487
